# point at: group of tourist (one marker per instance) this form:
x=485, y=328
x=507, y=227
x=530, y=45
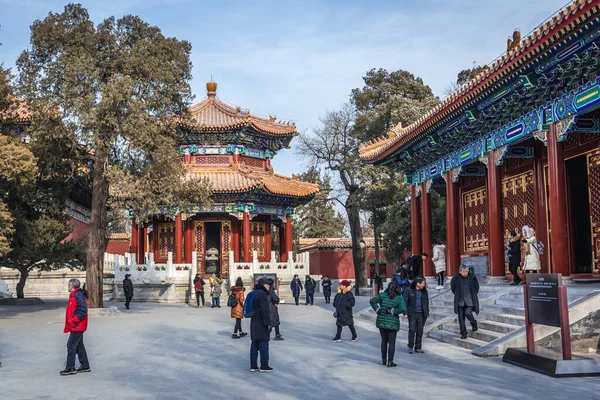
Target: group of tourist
x=310, y=285
x=533, y=250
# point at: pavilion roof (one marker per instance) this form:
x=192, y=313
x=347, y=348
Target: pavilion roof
x=19, y=110
x=212, y=114
x=547, y=35
x=239, y=178
x=331, y=243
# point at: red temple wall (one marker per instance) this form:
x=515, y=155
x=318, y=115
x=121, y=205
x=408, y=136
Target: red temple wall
x=338, y=264
x=80, y=229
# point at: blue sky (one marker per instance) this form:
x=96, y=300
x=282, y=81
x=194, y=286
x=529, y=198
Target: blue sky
x=297, y=59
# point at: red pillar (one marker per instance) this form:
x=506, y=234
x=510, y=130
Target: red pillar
x=283, y=255
x=268, y=236
x=155, y=247
x=559, y=245
x=415, y=222
x=452, y=242
x=246, y=256
x=189, y=240
x=288, y=234
x=178, y=240
x=235, y=223
x=539, y=198
x=134, y=237
x=426, y=223
x=141, y=244
x=494, y=216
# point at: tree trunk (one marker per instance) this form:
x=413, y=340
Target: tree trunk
x=376, y=238
x=21, y=284
x=358, y=254
x=94, y=274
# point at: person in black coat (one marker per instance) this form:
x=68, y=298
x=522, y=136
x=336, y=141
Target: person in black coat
x=274, y=310
x=260, y=327
x=465, y=287
x=327, y=289
x=414, y=265
x=417, y=311
x=343, y=302
x=128, y=290
x=514, y=256
x=309, y=287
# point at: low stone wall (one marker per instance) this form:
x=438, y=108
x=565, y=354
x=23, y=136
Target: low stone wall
x=168, y=291
x=585, y=336
x=480, y=265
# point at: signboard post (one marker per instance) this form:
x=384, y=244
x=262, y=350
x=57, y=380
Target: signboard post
x=546, y=304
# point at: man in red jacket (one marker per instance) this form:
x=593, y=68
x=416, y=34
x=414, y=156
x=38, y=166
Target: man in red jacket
x=76, y=319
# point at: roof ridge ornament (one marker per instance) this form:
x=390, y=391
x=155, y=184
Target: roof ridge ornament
x=513, y=43
x=211, y=89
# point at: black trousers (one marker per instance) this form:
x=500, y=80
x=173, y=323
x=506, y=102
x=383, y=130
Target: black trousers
x=75, y=347
x=127, y=301
x=238, y=325
x=277, y=330
x=415, y=330
x=440, y=278
x=388, y=343
x=327, y=298
x=514, y=270
x=339, y=332
x=297, y=299
x=310, y=299
x=468, y=313
x=200, y=295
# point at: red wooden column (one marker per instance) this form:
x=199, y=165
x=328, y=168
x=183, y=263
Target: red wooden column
x=246, y=256
x=268, y=236
x=155, y=247
x=134, y=237
x=235, y=223
x=559, y=245
x=141, y=244
x=426, y=226
x=452, y=242
x=495, y=237
x=178, y=239
x=288, y=235
x=539, y=199
x=189, y=240
x=415, y=223
x=283, y=252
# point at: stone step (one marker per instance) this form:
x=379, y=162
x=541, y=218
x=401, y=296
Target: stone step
x=495, y=326
x=442, y=303
x=500, y=309
x=510, y=303
x=454, y=339
x=441, y=310
x=480, y=334
x=517, y=320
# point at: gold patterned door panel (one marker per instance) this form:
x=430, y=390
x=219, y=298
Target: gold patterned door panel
x=257, y=238
x=166, y=239
x=474, y=204
x=200, y=239
x=226, y=247
x=593, y=163
x=518, y=204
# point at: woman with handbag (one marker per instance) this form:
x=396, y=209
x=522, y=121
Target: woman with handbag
x=532, y=258
x=388, y=306
x=343, y=302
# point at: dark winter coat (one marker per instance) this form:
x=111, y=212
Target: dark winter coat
x=260, y=324
x=76, y=316
x=309, y=286
x=296, y=287
x=514, y=251
x=128, y=287
x=415, y=266
x=343, y=303
x=455, y=285
x=273, y=308
x=199, y=284
x=385, y=320
x=327, y=287
x=410, y=298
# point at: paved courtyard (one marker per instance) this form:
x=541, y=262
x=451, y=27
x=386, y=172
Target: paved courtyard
x=159, y=351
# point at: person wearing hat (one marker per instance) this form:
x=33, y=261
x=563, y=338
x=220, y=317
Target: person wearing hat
x=466, y=302
x=343, y=302
x=296, y=288
x=260, y=327
x=128, y=290
x=274, y=309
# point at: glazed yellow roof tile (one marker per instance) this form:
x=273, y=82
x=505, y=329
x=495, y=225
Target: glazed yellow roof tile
x=547, y=34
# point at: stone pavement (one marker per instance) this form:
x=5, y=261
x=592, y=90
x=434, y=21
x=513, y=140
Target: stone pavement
x=160, y=351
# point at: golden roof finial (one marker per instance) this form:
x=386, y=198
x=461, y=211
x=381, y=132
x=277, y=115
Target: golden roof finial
x=211, y=89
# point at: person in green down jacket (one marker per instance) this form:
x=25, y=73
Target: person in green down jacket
x=388, y=305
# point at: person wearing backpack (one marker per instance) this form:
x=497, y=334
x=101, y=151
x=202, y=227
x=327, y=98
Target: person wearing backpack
x=388, y=306
x=199, y=288
x=343, y=302
x=296, y=288
x=532, y=258
x=236, y=302
x=309, y=286
x=256, y=307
